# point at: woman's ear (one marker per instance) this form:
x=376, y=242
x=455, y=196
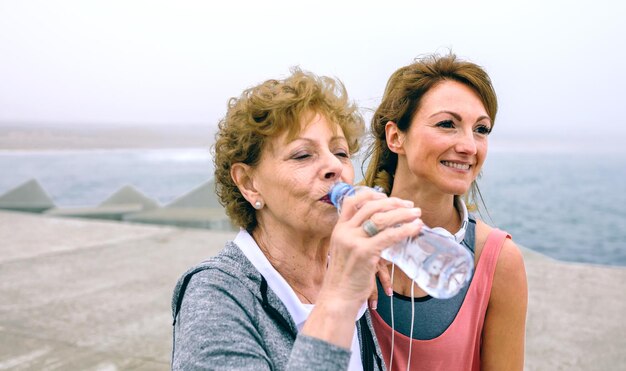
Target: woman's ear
x=395, y=138
x=243, y=176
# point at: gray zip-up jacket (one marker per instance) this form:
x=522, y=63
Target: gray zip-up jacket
x=226, y=317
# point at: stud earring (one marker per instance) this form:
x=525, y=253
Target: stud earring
x=258, y=205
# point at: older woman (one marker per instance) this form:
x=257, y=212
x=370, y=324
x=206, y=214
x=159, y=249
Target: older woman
x=430, y=141
x=289, y=291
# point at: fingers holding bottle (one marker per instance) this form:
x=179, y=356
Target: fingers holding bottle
x=358, y=240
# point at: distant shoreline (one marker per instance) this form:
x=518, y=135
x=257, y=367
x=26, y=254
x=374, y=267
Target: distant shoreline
x=101, y=136
x=14, y=137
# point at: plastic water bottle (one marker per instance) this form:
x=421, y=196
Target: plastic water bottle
x=435, y=261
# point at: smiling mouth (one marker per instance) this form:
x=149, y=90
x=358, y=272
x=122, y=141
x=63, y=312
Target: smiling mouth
x=456, y=165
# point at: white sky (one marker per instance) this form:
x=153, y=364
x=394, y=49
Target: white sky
x=558, y=66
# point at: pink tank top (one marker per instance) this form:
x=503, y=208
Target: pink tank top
x=458, y=348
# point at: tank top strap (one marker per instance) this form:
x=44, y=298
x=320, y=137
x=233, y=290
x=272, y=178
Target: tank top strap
x=486, y=266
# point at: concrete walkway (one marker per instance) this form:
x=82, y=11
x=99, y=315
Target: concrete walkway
x=94, y=295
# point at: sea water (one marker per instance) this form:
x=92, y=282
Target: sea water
x=567, y=205
x=86, y=178
x=570, y=206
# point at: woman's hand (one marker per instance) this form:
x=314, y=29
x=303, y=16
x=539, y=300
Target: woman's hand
x=355, y=255
x=385, y=281
x=354, y=260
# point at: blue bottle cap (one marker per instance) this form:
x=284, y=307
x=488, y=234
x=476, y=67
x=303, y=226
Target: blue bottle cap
x=338, y=191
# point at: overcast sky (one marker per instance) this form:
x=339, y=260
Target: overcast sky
x=558, y=66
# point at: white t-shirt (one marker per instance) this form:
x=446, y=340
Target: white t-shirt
x=298, y=310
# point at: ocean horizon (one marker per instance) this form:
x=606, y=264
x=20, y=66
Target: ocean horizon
x=565, y=204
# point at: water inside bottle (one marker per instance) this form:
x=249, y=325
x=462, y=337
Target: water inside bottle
x=437, y=263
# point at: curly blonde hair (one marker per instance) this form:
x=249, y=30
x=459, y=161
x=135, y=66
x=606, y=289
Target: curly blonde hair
x=266, y=111
x=403, y=94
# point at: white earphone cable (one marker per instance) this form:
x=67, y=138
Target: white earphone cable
x=408, y=362
x=393, y=330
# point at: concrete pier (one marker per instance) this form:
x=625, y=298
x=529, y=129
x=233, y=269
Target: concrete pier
x=95, y=295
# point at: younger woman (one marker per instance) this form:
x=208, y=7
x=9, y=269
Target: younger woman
x=431, y=135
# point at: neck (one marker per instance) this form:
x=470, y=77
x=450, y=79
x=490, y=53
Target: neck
x=438, y=209
x=300, y=261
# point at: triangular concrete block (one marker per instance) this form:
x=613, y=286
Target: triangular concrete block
x=29, y=196
x=130, y=195
x=203, y=197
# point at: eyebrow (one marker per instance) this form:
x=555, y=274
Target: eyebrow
x=458, y=117
x=332, y=139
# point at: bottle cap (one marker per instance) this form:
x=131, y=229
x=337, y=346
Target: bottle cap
x=338, y=191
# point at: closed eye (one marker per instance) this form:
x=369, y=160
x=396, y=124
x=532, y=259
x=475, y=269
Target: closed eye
x=301, y=156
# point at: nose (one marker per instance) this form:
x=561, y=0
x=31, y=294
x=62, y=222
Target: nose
x=466, y=143
x=332, y=166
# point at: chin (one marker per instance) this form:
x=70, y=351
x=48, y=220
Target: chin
x=457, y=189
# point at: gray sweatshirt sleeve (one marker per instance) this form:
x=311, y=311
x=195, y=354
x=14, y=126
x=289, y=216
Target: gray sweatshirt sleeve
x=221, y=325
x=310, y=353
